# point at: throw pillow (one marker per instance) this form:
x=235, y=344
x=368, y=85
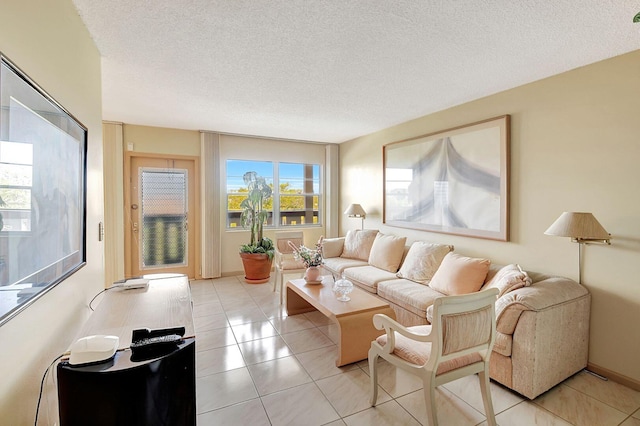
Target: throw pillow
x=460, y=274
x=386, y=252
x=332, y=247
x=357, y=243
x=422, y=261
x=507, y=279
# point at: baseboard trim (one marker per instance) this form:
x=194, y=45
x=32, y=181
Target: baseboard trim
x=616, y=377
x=232, y=274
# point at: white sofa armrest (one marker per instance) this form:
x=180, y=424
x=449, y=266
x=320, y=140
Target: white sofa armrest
x=541, y=295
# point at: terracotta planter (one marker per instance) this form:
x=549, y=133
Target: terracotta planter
x=257, y=267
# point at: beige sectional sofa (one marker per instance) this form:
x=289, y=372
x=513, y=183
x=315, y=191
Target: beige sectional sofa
x=542, y=320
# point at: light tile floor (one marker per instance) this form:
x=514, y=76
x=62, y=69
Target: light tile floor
x=258, y=366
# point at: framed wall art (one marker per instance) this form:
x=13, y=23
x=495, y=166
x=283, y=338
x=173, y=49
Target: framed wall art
x=455, y=181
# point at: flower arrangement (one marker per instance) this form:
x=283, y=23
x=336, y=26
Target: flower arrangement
x=310, y=257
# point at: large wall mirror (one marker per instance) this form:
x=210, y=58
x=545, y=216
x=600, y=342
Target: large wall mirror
x=42, y=191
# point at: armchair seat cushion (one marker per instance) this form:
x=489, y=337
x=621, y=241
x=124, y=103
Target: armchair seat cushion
x=418, y=353
x=409, y=295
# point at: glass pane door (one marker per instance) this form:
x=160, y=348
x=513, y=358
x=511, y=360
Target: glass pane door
x=164, y=218
x=160, y=236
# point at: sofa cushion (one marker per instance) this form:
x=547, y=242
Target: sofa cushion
x=357, y=244
x=368, y=277
x=422, y=261
x=409, y=295
x=332, y=247
x=336, y=265
x=460, y=274
x=508, y=278
x=386, y=252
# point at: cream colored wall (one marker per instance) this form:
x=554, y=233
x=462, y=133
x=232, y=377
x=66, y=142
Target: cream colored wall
x=575, y=146
x=161, y=140
x=48, y=41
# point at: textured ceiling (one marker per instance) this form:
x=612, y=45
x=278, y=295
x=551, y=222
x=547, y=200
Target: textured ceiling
x=333, y=70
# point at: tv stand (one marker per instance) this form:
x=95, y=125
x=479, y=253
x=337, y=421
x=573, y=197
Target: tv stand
x=155, y=390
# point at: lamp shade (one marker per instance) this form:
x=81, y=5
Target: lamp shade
x=355, y=210
x=578, y=226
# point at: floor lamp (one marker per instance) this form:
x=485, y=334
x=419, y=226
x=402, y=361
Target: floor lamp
x=582, y=228
x=356, y=210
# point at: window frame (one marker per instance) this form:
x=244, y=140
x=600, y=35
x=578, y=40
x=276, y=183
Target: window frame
x=275, y=213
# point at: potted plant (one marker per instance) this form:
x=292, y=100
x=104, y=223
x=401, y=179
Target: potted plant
x=258, y=254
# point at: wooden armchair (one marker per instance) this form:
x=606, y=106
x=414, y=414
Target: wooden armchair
x=458, y=343
x=284, y=261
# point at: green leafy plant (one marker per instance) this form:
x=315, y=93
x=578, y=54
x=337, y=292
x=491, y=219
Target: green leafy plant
x=637, y=17
x=254, y=215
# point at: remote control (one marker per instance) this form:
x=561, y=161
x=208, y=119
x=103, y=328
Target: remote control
x=154, y=342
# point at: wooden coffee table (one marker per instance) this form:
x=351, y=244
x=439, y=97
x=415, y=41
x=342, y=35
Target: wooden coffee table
x=354, y=318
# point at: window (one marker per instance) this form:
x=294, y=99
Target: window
x=296, y=192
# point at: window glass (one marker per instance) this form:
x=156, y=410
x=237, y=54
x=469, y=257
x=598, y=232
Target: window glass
x=299, y=188
x=296, y=192
x=237, y=189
